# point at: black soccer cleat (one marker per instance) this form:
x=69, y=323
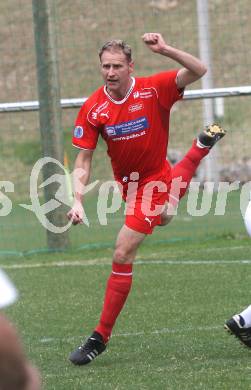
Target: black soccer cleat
x=235, y=327
x=210, y=135
x=88, y=351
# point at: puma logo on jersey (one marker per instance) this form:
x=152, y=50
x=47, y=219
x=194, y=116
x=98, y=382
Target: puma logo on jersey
x=105, y=114
x=149, y=220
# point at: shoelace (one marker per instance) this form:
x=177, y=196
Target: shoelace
x=88, y=346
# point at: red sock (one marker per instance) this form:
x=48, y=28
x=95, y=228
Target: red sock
x=185, y=169
x=117, y=290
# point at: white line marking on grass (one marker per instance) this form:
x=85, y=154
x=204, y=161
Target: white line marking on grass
x=179, y=251
x=224, y=248
x=191, y=262
x=101, y=263
x=48, y=340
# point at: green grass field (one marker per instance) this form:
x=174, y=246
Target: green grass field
x=188, y=279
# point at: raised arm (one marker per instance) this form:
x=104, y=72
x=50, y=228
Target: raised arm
x=81, y=175
x=193, y=69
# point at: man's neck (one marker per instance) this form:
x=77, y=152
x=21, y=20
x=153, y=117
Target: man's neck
x=120, y=95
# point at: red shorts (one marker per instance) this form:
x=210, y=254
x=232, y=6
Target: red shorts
x=145, y=200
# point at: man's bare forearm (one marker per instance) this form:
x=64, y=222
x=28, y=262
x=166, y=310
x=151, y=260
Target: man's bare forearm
x=194, y=64
x=81, y=174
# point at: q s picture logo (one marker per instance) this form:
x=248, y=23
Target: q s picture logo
x=78, y=132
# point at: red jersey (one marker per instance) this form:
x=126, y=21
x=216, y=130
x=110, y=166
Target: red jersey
x=135, y=128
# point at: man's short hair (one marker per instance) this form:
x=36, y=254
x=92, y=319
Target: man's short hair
x=117, y=45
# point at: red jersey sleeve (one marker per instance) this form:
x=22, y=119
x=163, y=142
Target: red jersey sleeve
x=166, y=88
x=85, y=133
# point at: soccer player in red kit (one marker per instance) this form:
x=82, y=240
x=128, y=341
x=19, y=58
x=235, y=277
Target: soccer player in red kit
x=132, y=116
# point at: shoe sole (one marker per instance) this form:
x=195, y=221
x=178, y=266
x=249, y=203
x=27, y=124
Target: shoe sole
x=219, y=130
x=211, y=135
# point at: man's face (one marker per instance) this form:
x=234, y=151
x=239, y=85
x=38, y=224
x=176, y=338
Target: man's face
x=116, y=71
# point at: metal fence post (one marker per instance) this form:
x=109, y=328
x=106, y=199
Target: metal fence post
x=211, y=169
x=44, y=21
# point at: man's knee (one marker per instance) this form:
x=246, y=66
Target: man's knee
x=121, y=255
x=127, y=244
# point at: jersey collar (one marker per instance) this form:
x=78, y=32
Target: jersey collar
x=126, y=96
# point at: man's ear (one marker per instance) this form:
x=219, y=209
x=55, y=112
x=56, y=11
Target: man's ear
x=131, y=66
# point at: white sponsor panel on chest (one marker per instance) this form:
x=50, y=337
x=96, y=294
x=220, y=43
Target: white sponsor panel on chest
x=136, y=107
